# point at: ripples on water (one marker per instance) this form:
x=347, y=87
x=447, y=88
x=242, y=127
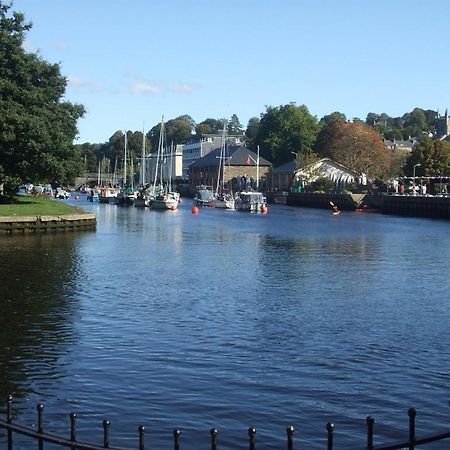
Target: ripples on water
x=230, y=320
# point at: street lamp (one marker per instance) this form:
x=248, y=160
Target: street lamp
x=414, y=177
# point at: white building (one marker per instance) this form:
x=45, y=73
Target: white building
x=170, y=164
x=192, y=151
x=326, y=168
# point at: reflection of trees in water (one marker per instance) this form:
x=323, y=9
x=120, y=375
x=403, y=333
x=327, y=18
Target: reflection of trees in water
x=38, y=273
x=292, y=252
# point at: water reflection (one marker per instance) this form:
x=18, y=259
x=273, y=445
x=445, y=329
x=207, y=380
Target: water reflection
x=230, y=320
x=40, y=274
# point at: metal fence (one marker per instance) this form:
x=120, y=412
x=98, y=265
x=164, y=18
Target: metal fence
x=41, y=436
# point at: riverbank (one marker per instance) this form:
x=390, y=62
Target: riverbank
x=39, y=214
x=432, y=207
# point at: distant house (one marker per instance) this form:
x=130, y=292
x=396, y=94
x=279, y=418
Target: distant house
x=326, y=168
x=240, y=163
x=404, y=146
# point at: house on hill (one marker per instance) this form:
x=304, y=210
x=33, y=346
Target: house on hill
x=240, y=169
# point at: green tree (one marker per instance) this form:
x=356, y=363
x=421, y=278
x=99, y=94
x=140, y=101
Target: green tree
x=286, y=129
x=209, y=126
x=178, y=130
x=433, y=157
x=37, y=127
x=234, y=126
x=251, y=133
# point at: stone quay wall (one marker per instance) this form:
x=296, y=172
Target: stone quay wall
x=25, y=224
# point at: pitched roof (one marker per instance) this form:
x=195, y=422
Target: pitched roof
x=237, y=155
x=286, y=168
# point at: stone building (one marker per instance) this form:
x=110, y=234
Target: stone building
x=443, y=127
x=240, y=168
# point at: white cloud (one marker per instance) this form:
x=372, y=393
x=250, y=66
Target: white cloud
x=183, y=87
x=141, y=87
x=83, y=83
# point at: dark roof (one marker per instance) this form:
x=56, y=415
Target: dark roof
x=238, y=155
x=286, y=168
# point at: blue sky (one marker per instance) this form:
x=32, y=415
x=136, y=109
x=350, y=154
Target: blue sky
x=132, y=62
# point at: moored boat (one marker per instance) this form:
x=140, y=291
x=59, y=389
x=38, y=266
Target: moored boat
x=251, y=201
x=204, y=196
x=107, y=195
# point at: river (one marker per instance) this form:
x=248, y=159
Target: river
x=230, y=320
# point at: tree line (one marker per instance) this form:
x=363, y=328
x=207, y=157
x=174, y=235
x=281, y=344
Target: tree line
x=38, y=128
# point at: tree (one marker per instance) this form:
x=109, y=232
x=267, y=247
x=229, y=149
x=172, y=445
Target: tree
x=209, y=126
x=234, y=126
x=433, y=157
x=178, y=130
x=251, y=133
x=37, y=127
x=329, y=128
x=286, y=129
x=358, y=147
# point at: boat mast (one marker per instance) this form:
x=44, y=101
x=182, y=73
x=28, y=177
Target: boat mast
x=161, y=131
x=257, y=169
x=142, y=181
x=114, y=174
x=125, y=162
x=220, y=176
x=170, y=170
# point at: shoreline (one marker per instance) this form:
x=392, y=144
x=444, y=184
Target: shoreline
x=46, y=223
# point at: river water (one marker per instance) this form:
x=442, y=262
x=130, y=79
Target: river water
x=229, y=320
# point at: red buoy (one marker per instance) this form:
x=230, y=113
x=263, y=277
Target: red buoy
x=194, y=210
x=264, y=209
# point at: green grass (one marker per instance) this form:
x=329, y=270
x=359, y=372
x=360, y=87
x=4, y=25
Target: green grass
x=35, y=206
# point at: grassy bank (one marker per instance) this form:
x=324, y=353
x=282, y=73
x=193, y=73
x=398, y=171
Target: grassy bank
x=22, y=205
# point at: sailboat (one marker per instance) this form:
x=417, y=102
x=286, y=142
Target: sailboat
x=252, y=201
x=164, y=197
x=223, y=197
x=145, y=193
x=126, y=195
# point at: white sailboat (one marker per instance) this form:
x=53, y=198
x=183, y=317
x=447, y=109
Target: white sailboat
x=223, y=197
x=126, y=195
x=145, y=194
x=164, y=197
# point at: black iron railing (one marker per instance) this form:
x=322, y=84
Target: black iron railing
x=41, y=436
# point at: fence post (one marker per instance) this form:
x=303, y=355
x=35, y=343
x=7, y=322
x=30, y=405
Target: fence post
x=176, y=438
x=251, y=438
x=141, y=430
x=40, y=411
x=214, y=432
x=370, y=422
x=106, y=425
x=9, y=399
x=330, y=429
x=412, y=428
x=73, y=428
x=290, y=437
